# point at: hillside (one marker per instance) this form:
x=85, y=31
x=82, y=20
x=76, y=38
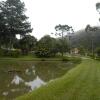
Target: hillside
x=83, y=39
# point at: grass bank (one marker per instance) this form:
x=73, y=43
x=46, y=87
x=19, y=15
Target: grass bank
x=34, y=58
x=80, y=83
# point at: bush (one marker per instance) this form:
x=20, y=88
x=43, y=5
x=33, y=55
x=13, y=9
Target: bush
x=1, y=52
x=65, y=59
x=42, y=52
x=10, y=53
x=43, y=59
x=98, y=58
x=91, y=55
x=15, y=53
x=98, y=52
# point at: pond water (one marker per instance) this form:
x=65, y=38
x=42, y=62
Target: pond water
x=20, y=77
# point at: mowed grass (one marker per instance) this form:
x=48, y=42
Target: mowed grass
x=80, y=83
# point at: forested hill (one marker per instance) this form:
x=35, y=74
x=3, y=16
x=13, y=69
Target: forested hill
x=84, y=39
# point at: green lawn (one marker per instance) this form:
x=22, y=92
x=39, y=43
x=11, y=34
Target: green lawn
x=30, y=58
x=80, y=83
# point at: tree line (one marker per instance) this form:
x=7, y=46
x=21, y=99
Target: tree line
x=13, y=21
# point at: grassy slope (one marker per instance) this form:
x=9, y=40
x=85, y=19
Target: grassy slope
x=80, y=83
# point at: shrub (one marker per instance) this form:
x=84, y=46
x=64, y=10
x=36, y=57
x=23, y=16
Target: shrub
x=65, y=59
x=10, y=53
x=1, y=52
x=98, y=52
x=43, y=59
x=91, y=56
x=42, y=52
x=15, y=53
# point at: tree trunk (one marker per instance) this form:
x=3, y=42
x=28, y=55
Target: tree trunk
x=62, y=44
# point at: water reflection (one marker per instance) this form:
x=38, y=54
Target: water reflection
x=30, y=71
x=17, y=80
x=27, y=72
x=5, y=93
x=36, y=83
x=32, y=75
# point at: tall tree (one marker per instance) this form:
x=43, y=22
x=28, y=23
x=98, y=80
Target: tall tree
x=27, y=43
x=64, y=30
x=46, y=47
x=13, y=20
x=92, y=30
x=59, y=44
x=98, y=7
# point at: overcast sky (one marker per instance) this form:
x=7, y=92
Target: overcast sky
x=45, y=14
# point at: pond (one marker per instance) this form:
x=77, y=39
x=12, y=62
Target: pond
x=20, y=77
